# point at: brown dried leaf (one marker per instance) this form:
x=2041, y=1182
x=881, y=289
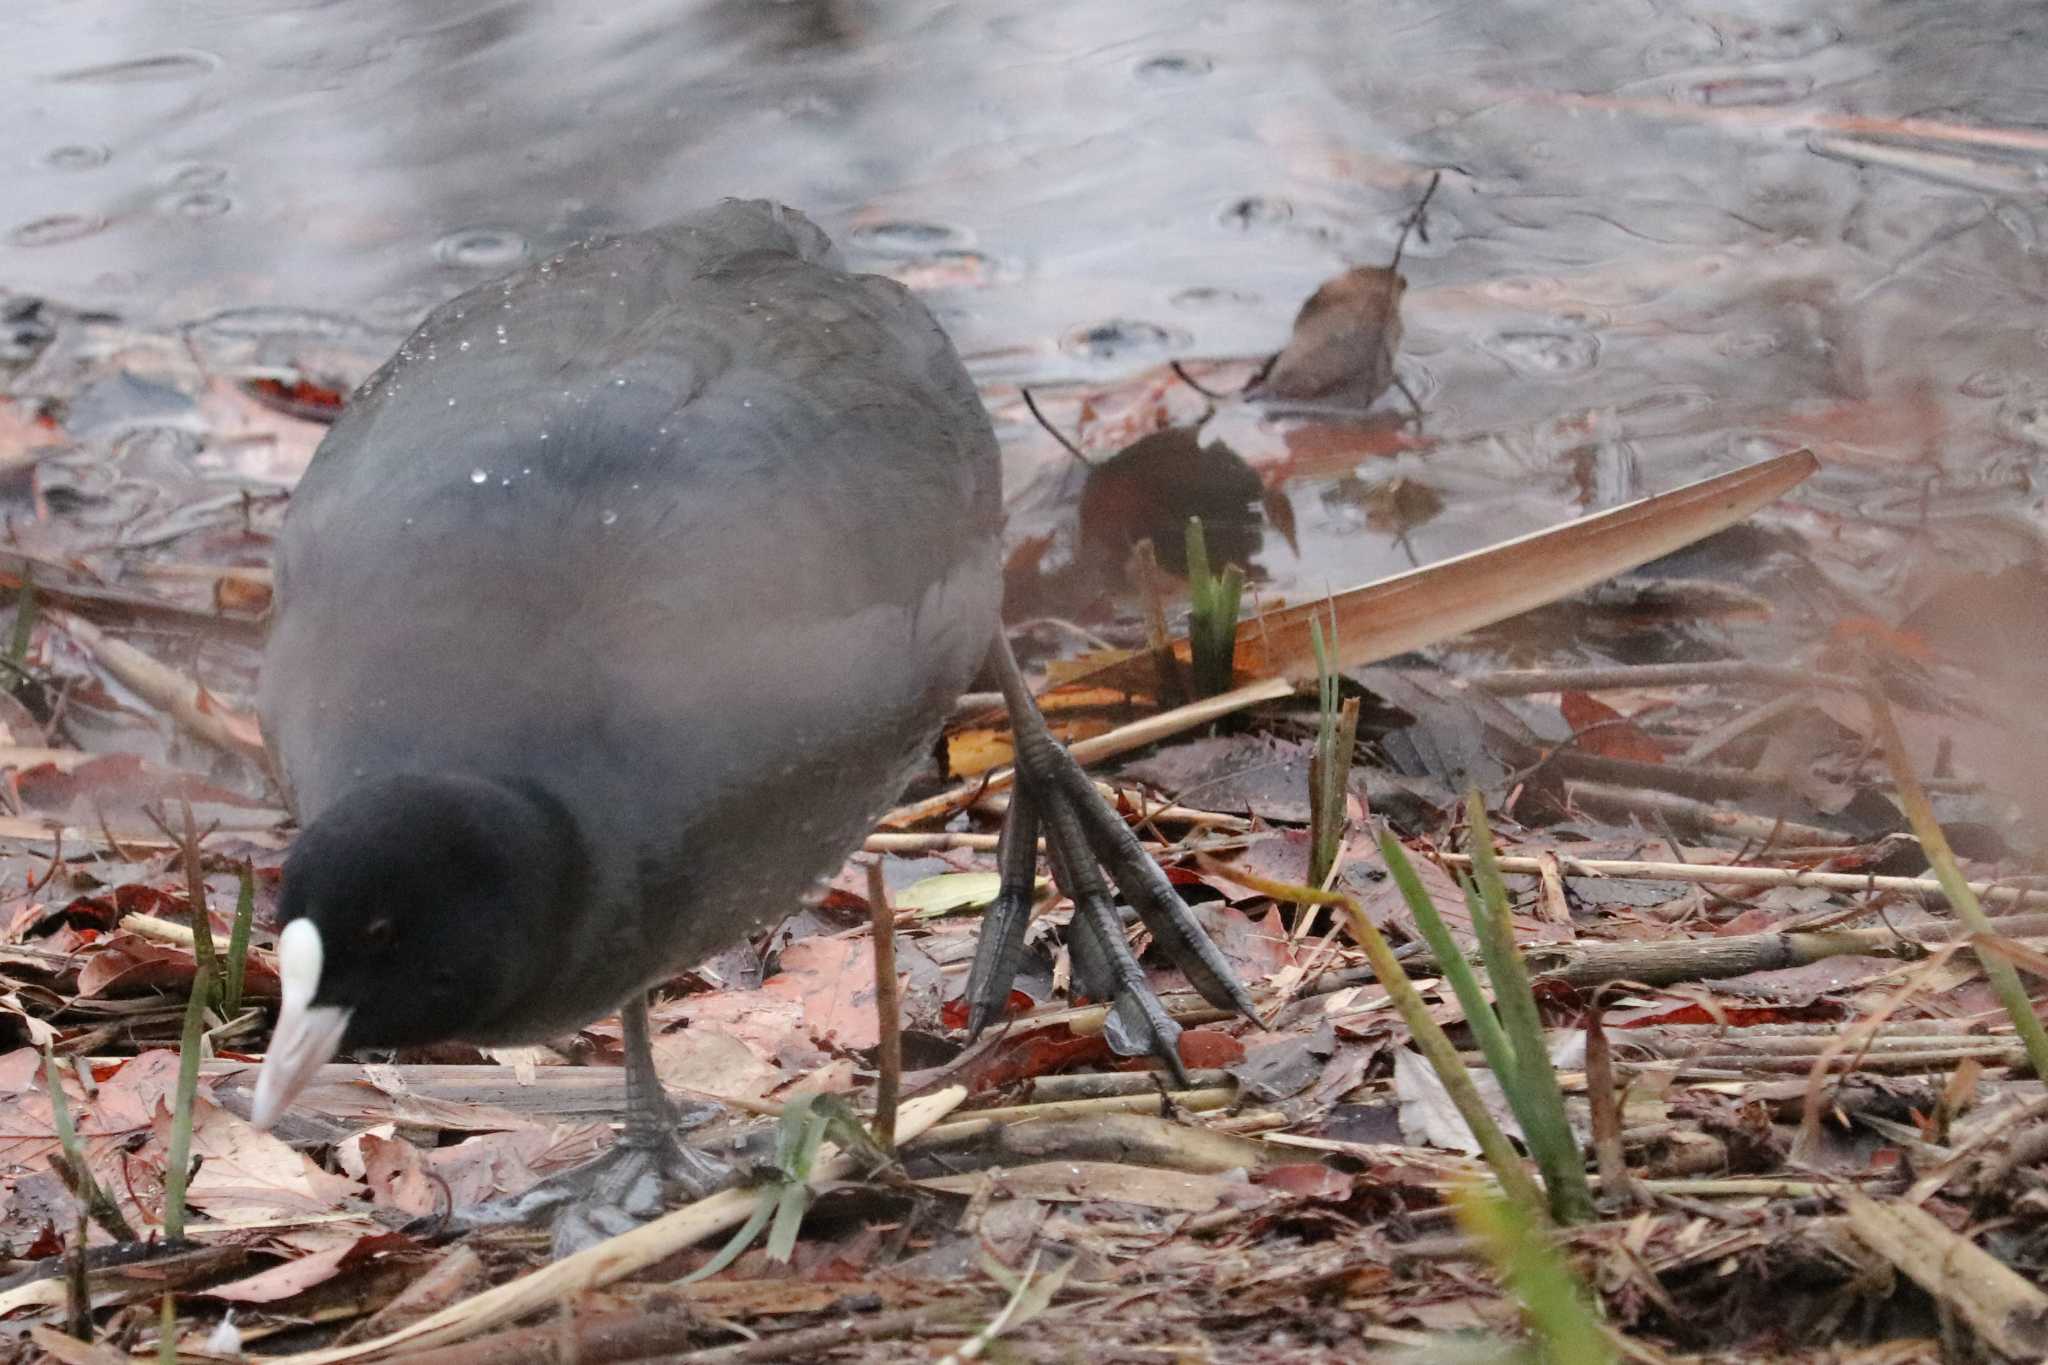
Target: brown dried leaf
x=1344, y=342
x=707, y=1060
x=834, y=980
x=247, y=1176
x=126, y=963
x=284, y=1281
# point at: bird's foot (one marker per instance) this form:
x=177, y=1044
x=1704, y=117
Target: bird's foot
x=1084, y=837
x=637, y=1180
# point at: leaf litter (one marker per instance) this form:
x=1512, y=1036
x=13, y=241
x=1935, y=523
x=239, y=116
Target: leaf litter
x=1294, y=1202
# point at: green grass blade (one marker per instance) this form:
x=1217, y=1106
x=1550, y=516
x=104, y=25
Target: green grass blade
x=1330, y=765
x=99, y=1205
x=1429, y=1036
x=1532, y=1088
x=764, y=1209
x=24, y=624
x=179, y=1162
x=2005, y=981
x=1554, y=1301
x=238, y=940
x=1479, y=1015
x=790, y=1207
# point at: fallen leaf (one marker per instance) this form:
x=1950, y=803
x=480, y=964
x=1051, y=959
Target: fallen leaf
x=947, y=892
x=284, y=1281
x=1598, y=728
x=295, y=1277
x=1281, y=1070
x=706, y=1060
x=834, y=980
x=248, y=1176
x=1255, y=948
x=125, y=964
x=1306, y=1180
x=396, y=1174
x=495, y=1165
x=1344, y=341
x=1208, y=1048
x=1427, y=1112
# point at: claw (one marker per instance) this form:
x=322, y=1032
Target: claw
x=1102, y=955
x=1000, y=952
x=1083, y=836
x=1174, y=927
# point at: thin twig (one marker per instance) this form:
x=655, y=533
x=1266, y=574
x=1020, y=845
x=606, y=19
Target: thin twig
x=1726, y=874
x=1189, y=380
x=1413, y=223
x=1053, y=431
x=888, y=1008
x=1507, y=682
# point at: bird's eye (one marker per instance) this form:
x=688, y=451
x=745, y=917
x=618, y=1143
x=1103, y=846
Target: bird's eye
x=379, y=932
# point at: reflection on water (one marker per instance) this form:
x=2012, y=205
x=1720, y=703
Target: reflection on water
x=1669, y=236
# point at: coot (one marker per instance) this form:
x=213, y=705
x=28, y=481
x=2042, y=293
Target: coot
x=610, y=614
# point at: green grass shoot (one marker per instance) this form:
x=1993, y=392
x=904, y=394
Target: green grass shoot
x=1212, y=618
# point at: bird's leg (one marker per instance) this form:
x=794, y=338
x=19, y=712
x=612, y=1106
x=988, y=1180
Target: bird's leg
x=1083, y=837
x=651, y=1121
x=645, y=1169
x=999, y=952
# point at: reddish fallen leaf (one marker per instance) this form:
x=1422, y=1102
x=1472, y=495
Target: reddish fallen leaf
x=396, y=1174
x=1318, y=450
x=125, y=964
x=305, y=399
x=1885, y=638
x=37, y=919
x=492, y=1165
x=24, y=434
x=1598, y=728
x=128, y=1094
x=953, y=1014
x=1726, y=1014
x=842, y=904
x=834, y=980
x=1306, y=1180
x=771, y=1024
x=1255, y=948
x=1207, y=1047
x=284, y=1281
x=124, y=777
x=707, y=1060
x=140, y=898
x=293, y=1278
x=1026, y=1056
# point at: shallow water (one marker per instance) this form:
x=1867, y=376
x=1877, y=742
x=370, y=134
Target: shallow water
x=1669, y=237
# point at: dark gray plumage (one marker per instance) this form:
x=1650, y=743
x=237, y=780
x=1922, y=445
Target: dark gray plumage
x=610, y=527
x=610, y=614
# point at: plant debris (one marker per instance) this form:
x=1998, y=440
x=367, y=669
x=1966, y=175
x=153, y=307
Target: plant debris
x=1820, y=1135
